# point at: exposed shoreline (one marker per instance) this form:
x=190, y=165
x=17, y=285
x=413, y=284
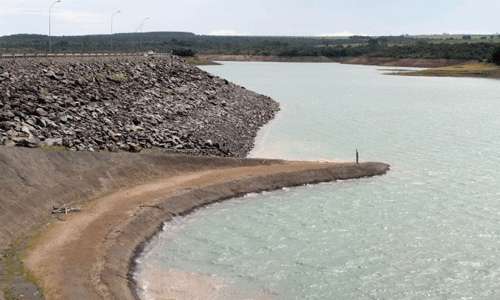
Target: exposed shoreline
x=208, y=59
x=91, y=254
x=148, y=223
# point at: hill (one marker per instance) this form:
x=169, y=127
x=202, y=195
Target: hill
x=462, y=47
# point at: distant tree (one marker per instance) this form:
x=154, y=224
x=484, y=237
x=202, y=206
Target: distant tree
x=373, y=44
x=467, y=37
x=184, y=52
x=495, y=57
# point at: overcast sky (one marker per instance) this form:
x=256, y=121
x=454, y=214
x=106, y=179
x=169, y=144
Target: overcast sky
x=255, y=17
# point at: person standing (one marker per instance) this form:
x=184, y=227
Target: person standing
x=357, y=157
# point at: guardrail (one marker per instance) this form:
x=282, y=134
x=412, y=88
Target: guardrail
x=49, y=55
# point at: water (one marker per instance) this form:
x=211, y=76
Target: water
x=428, y=230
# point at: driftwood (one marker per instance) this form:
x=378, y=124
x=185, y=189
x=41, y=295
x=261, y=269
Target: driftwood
x=64, y=210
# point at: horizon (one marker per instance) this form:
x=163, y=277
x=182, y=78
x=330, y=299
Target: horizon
x=300, y=18
x=263, y=35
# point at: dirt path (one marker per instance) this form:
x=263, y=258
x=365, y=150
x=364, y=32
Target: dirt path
x=68, y=257
x=71, y=258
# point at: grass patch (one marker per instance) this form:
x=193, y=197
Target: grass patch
x=14, y=270
x=118, y=77
x=466, y=70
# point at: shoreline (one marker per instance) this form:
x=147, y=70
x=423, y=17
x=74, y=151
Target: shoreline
x=113, y=229
x=468, y=70
x=210, y=59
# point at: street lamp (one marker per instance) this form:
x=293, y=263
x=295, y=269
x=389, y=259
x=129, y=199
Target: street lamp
x=140, y=29
x=50, y=23
x=112, y=20
x=141, y=26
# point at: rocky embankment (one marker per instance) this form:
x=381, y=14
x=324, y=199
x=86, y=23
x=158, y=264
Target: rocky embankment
x=127, y=104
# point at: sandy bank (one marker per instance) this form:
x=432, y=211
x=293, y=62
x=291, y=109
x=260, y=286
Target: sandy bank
x=125, y=198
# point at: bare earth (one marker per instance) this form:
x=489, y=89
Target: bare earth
x=68, y=257
x=71, y=258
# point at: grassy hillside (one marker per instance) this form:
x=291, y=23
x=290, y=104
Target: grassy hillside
x=468, y=47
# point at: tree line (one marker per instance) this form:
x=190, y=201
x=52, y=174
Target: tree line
x=188, y=44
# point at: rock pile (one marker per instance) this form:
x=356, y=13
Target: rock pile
x=127, y=104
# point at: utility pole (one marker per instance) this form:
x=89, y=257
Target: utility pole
x=140, y=30
x=50, y=23
x=112, y=20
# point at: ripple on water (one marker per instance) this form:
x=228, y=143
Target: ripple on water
x=427, y=230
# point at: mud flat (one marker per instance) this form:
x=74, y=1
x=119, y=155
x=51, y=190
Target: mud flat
x=124, y=200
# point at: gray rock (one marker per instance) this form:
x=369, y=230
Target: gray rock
x=161, y=104
x=6, y=125
x=51, y=142
x=30, y=142
x=51, y=74
x=41, y=112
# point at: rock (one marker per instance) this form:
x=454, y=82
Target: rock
x=27, y=130
x=29, y=142
x=51, y=142
x=41, y=112
x=134, y=148
x=7, y=116
x=4, y=76
x=149, y=102
x=65, y=118
x=6, y=125
x=51, y=74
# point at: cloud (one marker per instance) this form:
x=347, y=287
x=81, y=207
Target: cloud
x=225, y=32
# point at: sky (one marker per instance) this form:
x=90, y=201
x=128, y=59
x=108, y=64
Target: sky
x=254, y=17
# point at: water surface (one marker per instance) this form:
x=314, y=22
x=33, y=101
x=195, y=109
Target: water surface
x=428, y=230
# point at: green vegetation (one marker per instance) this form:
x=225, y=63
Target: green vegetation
x=14, y=270
x=495, y=57
x=118, y=77
x=468, y=47
x=183, y=52
x=465, y=70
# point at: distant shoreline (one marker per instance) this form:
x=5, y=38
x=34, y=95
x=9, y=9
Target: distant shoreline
x=209, y=59
x=433, y=67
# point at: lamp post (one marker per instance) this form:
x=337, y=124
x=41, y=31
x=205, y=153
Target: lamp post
x=140, y=29
x=50, y=23
x=112, y=20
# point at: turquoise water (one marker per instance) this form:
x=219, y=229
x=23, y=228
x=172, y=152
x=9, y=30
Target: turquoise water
x=430, y=229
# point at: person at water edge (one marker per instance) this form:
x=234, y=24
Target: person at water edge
x=357, y=157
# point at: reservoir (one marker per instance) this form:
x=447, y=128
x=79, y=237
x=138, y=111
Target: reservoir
x=430, y=229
